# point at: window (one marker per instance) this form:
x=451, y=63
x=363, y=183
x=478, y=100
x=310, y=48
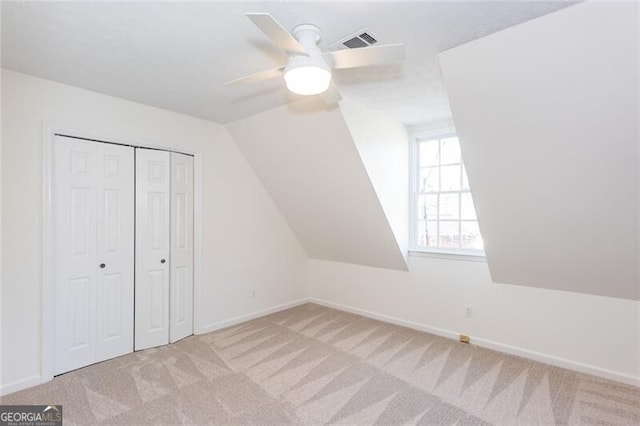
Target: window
x=443, y=214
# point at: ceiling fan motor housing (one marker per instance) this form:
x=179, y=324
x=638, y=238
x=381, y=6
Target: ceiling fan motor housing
x=308, y=35
x=307, y=75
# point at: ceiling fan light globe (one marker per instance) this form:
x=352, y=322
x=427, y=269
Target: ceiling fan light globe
x=307, y=80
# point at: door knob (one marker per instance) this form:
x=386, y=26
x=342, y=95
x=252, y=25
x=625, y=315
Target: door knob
x=102, y=265
x=162, y=261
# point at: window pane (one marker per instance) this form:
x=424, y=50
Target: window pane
x=450, y=151
x=444, y=212
x=467, y=209
x=449, y=236
x=429, y=153
x=432, y=233
x=429, y=180
x=471, y=237
x=449, y=206
x=427, y=233
x=450, y=176
x=422, y=233
x=428, y=207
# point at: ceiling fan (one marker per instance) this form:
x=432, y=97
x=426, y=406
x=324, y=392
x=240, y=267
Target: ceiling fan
x=308, y=70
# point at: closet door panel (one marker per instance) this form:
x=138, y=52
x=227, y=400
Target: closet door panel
x=74, y=194
x=93, y=216
x=115, y=229
x=153, y=180
x=181, y=284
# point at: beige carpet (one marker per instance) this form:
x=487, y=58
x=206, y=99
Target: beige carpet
x=315, y=365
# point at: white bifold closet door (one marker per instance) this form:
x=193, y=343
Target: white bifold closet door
x=164, y=248
x=181, y=279
x=93, y=208
x=153, y=210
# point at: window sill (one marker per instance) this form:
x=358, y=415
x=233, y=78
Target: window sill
x=450, y=255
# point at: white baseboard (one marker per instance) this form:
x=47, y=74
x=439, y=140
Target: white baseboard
x=21, y=384
x=36, y=379
x=490, y=344
x=387, y=318
x=558, y=361
x=253, y=315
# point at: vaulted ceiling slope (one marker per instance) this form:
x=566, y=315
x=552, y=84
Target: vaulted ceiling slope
x=307, y=159
x=177, y=55
x=547, y=115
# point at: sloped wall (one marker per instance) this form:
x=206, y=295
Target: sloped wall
x=383, y=145
x=306, y=158
x=547, y=115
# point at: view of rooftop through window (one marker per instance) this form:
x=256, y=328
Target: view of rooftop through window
x=445, y=217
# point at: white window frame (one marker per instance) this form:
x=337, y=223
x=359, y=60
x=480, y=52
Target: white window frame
x=414, y=248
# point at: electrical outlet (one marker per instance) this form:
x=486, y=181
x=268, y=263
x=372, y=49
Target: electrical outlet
x=253, y=293
x=468, y=311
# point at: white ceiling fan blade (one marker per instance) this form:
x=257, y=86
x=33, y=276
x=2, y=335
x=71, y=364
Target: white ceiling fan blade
x=363, y=56
x=277, y=33
x=259, y=76
x=332, y=95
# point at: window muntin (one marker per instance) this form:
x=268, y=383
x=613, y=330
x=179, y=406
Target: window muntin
x=444, y=217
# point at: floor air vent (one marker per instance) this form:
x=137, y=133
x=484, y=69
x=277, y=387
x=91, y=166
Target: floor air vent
x=362, y=38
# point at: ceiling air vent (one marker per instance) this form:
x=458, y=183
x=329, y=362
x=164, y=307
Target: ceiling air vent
x=362, y=38
x=368, y=38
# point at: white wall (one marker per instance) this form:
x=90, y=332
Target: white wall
x=547, y=116
x=595, y=334
x=307, y=160
x=246, y=243
x=383, y=145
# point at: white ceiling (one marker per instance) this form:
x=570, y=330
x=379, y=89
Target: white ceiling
x=177, y=55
